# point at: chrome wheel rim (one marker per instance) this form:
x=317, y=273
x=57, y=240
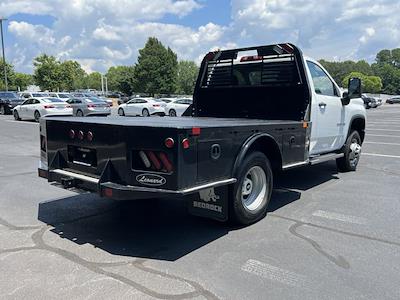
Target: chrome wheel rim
x=355, y=152
x=254, y=189
x=145, y=113
x=120, y=112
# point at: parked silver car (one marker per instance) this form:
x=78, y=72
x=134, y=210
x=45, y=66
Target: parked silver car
x=90, y=106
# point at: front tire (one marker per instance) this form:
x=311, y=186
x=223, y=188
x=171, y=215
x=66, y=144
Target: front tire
x=352, y=153
x=172, y=113
x=252, y=192
x=36, y=115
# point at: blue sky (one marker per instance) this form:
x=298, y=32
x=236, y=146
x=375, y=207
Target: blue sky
x=104, y=33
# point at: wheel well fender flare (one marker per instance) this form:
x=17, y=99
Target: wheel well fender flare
x=358, y=123
x=261, y=142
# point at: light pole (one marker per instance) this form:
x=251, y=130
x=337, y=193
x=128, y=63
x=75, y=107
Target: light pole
x=4, y=56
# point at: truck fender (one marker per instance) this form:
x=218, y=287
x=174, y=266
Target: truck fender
x=358, y=123
x=259, y=139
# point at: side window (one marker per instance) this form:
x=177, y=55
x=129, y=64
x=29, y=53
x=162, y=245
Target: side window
x=323, y=85
x=26, y=102
x=35, y=101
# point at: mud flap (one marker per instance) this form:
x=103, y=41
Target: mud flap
x=210, y=203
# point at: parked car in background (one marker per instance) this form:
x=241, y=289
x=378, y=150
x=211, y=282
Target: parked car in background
x=393, y=100
x=177, y=106
x=9, y=100
x=369, y=102
x=378, y=101
x=37, y=95
x=91, y=106
x=35, y=108
x=141, y=107
x=63, y=96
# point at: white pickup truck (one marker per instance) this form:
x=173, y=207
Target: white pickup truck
x=256, y=111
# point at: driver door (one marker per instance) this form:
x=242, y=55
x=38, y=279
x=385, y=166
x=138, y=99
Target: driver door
x=327, y=114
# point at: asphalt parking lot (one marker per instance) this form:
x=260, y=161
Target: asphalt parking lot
x=327, y=236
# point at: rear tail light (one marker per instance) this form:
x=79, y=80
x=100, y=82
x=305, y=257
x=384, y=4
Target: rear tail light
x=90, y=136
x=71, y=134
x=80, y=135
x=164, y=159
x=154, y=160
x=196, y=131
x=169, y=142
x=91, y=105
x=251, y=58
x=185, y=144
x=48, y=106
x=156, y=105
x=68, y=106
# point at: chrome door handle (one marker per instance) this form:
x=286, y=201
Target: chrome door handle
x=322, y=104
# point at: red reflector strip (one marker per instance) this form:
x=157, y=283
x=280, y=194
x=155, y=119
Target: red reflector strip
x=196, y=131
x=164, y=159
x=251, y=58
x=154, y=160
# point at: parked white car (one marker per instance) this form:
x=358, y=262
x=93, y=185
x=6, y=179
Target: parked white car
x=177, y=106
x=35, y=108
x=141, y=107
x=36, y=95
x=62, y=96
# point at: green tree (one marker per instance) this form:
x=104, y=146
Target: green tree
x=156, y=69
x=187, y=74
x=71, y=75
x=369, y=84
x=384, y=57
x=10, y=75
x=22, y=81
x=91, y=81
x=390, y=76
x=121, y=78
x=339, y=70
x=47, y=72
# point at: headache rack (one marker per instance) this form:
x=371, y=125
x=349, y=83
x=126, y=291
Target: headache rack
x=274, y=65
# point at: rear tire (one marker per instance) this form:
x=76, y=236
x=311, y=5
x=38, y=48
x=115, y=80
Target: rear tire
x=252, y=192
x=145, y=113
x=79, y=113
x=172, y=113
x=121, y=112
x=352, y=153
x=36, y=115
x=16, y=116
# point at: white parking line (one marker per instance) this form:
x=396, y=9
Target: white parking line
x=383, y=129
x=339, y=217
x=273, y=273
x=393, y=144
x=380, y=155
x=391, y=136
x=21, y=122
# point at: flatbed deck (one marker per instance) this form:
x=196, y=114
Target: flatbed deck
x=173, y=122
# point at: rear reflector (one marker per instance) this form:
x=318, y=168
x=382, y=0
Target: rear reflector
x=196, y=131
x=144, y=158
x=251, y=58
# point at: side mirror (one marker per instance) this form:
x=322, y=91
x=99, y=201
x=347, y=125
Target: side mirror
x=354, y=91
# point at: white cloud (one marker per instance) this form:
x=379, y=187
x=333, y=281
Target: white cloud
x=102, y=33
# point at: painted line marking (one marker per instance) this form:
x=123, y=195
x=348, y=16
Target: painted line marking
x=383, y=129
x=270, y=272
x=391, y=136
x=380, y=155
x=394, y=144
x=339, y=217
x=21, y=122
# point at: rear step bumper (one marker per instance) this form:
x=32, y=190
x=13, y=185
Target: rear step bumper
x=118, y=191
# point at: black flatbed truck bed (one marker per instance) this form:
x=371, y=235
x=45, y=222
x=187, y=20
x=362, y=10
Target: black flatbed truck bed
x=249, y=118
